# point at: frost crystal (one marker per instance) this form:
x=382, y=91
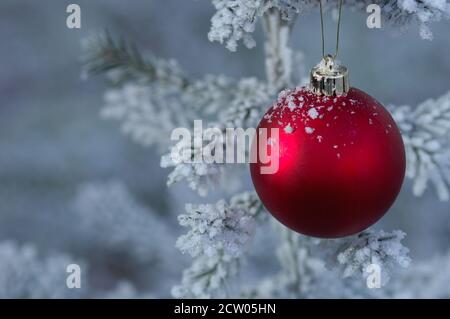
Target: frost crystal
x=200, y=176
x=309, y=130
x=235, y=21
x=312, y=113
x=288, y=129
x=210, y=94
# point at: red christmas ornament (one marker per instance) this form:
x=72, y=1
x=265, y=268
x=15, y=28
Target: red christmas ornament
x=341, y=158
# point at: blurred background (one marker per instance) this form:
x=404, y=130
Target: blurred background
x=55, y=150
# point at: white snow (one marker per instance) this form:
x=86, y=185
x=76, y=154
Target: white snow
x=288, y=129
x=283, y=94
x=312, y=113
x=291, y=105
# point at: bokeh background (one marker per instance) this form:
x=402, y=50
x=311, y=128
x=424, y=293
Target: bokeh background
x=54, y=146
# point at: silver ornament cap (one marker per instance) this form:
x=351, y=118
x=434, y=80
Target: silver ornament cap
x=329, y=78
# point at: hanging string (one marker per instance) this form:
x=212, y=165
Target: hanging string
x=321, y=28
x=337, y=31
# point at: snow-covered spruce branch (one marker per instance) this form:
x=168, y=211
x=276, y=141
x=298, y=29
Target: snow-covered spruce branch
x=144, y=93
x=151, y=97
x=240, y=107
x=428, y=278
x=218, y=236
x=200, y=176
x=426, y=134
x=121, y=62
x=333, y=268
x=403, y=13
x=235, y=20
x=353, y=255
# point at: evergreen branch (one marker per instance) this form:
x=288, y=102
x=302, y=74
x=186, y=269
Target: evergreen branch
x=217, y=240
x=426, y=134
x=235, y=21
x=352, y=255
x=103, y=54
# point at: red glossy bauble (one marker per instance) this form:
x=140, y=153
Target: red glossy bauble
x=341, y=162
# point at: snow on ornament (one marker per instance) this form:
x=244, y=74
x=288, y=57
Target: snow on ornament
x=341, y=157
